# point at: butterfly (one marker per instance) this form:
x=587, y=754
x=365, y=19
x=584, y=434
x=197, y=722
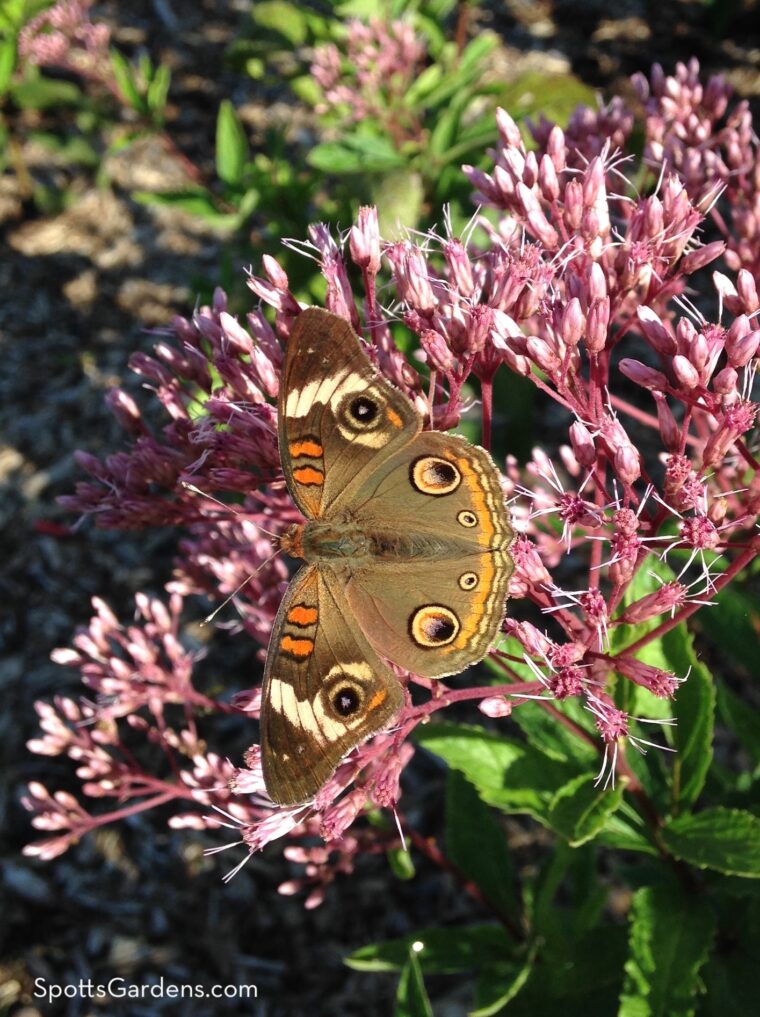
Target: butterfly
x=406, y=550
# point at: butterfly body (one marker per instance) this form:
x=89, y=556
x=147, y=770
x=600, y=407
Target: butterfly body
x=406, y=546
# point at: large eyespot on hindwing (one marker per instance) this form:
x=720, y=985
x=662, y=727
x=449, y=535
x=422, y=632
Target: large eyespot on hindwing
x=433, y=626
x=433, y=475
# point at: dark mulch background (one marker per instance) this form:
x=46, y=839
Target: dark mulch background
x=78, y=291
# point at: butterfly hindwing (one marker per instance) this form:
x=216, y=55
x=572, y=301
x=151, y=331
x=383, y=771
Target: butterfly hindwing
x=337, y=414
x=325, y=689
x=440, y=609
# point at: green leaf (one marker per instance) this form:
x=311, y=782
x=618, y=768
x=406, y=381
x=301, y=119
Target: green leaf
x=732, y=623
x=359, y=153
x=399, y=196
x=743, y=720
x=411, y=997
x=158, y=90
x=444, y=951
x=545, y=730
x=670, y=938
x=512, y=776
x=695, y=716
x=579, y=810
x=499, y=985
x=401, y=863
x=125, y=79
x=231, y=145
x=423, y=85
x=476, y=844
x=283, y=18
x=727, y=840
x=7, y=62
x=45, y=93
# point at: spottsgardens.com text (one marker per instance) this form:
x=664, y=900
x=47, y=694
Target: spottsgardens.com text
x=120, y=988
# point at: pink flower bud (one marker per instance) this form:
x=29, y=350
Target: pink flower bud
x=547, y=179
x=573, y=323
x=660, y=683
x=573, y=213
x=669, y=429
x=539, y=225
x=583, y=444
x=695, y=260
x=597, y=283
x=747, y=291
x=668, y=596
x=364, y=240
x=725, y=381
x=438, y=353
x=741, y=350
x=542, y=354
x=274, y=272
x=126, y=411
x=528, y=562
x=459, y=267
x=648, y=377
x=686, y=374
x=655, y=332
x=597, y=322
x=699, y=351
x=495, y=706
x=508, y=129
x=627, y=464
x=235, y=334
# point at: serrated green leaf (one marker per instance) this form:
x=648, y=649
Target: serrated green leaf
x=231, y=145
x=626, y=832
x=742, y=718
x=507, y=774
x=579, y=810
x=727, y=840
x=444, y=950
x=670, y=938
x=476, y=844
x=411, y=996
x=125, y=79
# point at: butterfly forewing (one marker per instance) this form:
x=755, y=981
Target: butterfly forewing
x=337, y=415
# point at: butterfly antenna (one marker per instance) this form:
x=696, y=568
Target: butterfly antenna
x=237, y=589
x=197, y=490
x=222, y=504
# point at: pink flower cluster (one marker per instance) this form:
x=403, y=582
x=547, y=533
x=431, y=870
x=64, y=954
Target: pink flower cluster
x=382, y=59
x=64, y=36
x=591, y=292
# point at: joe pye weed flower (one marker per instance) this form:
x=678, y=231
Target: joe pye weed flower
x=636, y=510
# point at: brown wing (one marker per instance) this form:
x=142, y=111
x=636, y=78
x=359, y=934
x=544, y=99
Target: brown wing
x=325, y=689
x=436, y=607
x=336, y=413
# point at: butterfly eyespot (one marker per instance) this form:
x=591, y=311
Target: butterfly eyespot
x=468, y=580
x=433, y=626
x=467, y=518
x=432, y=475
x=363, y=410
x=346, y=701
